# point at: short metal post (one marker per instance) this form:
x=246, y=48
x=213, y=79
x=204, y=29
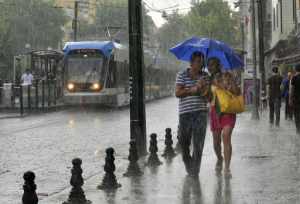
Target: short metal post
x=55, y=91
x=37, y=94
x=1, y=90
x=12, y=98
x=29, y=96
x=21, y=100
x=43, y=94
x=49, y=93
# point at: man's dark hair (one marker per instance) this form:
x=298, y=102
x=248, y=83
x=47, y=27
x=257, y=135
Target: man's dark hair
x=297, y=68
x=195, y=55
x=275, y=70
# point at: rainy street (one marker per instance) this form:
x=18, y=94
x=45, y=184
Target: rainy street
x=96, y=94
x=265, y=164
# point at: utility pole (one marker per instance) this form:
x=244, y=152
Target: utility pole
x=243, y=34
x=296, y=17
x=136, y=76
x=261, y=45
x=255, y=114
x=75, y=21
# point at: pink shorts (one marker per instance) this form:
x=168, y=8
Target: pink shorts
x=218, y=122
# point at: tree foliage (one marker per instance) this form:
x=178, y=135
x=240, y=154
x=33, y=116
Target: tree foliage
x=209, y=18
x=173, y=31
x=33, y=22
x=113, y=14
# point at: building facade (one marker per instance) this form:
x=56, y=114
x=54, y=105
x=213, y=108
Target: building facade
x=284, y=20
x=281, y=34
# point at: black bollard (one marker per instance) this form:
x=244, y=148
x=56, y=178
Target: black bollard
x=133, y=167
x=29, y=187
x=153, y=159
x=77, y=194
x=109, y=181
x=169, y=151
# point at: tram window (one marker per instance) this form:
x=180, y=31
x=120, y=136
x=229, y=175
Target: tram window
x=84, y=70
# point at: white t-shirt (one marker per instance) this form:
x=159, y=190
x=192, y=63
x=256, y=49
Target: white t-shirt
x=27, y=79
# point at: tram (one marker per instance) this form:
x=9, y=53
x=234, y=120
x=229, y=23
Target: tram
x=97, y=72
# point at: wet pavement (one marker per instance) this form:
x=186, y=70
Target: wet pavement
x=265, y=164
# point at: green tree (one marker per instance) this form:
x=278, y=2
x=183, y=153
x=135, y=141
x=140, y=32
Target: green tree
x=213, y=19
x=173, y=31
x=114, y=15
x=208, y=18
x=33, y=22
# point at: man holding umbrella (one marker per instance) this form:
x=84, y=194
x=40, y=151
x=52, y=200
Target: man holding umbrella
x=192, y=89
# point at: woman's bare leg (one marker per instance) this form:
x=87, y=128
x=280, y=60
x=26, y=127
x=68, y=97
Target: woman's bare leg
x=227, y=131
x=217, y=140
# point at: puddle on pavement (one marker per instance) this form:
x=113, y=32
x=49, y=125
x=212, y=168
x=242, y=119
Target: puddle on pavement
x=258, y=157
x=4, y=172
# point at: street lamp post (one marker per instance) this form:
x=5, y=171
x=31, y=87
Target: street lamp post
x=255, y=114
x=261, y=44
x=136, y=76
x=75, y=21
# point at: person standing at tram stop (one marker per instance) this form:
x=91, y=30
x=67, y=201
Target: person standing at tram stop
x=222, y=124
x=274, y=95
x=192, y=89
x=294, y=99
x=285, y=94
x=27, y=78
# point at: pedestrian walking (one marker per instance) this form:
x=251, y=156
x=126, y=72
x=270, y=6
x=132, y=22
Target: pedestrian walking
x=192, y=89
x=286, y=86
x=274, y=95
x=222, y=124
x=27, y=78
x=295, y=97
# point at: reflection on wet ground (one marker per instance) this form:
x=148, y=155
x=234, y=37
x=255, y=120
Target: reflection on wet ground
x=223, y=190
x=265, y=164
x=191, y=191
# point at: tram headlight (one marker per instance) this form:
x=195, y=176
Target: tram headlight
x=96, y=86
x=71, y=86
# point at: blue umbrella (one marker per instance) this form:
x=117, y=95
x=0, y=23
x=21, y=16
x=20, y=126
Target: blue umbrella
x=210, y=48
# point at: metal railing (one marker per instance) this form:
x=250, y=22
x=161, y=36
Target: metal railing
x=39, y=96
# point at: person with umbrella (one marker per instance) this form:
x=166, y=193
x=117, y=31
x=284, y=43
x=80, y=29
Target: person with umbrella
x=193, y=111
x=221, y=124
x=192, y=90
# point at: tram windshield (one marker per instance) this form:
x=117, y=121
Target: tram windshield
x=84, y=69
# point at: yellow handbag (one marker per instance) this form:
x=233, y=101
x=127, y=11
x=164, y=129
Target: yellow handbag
x=228, y=102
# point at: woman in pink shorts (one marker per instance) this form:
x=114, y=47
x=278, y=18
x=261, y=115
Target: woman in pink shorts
x=221, y=124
